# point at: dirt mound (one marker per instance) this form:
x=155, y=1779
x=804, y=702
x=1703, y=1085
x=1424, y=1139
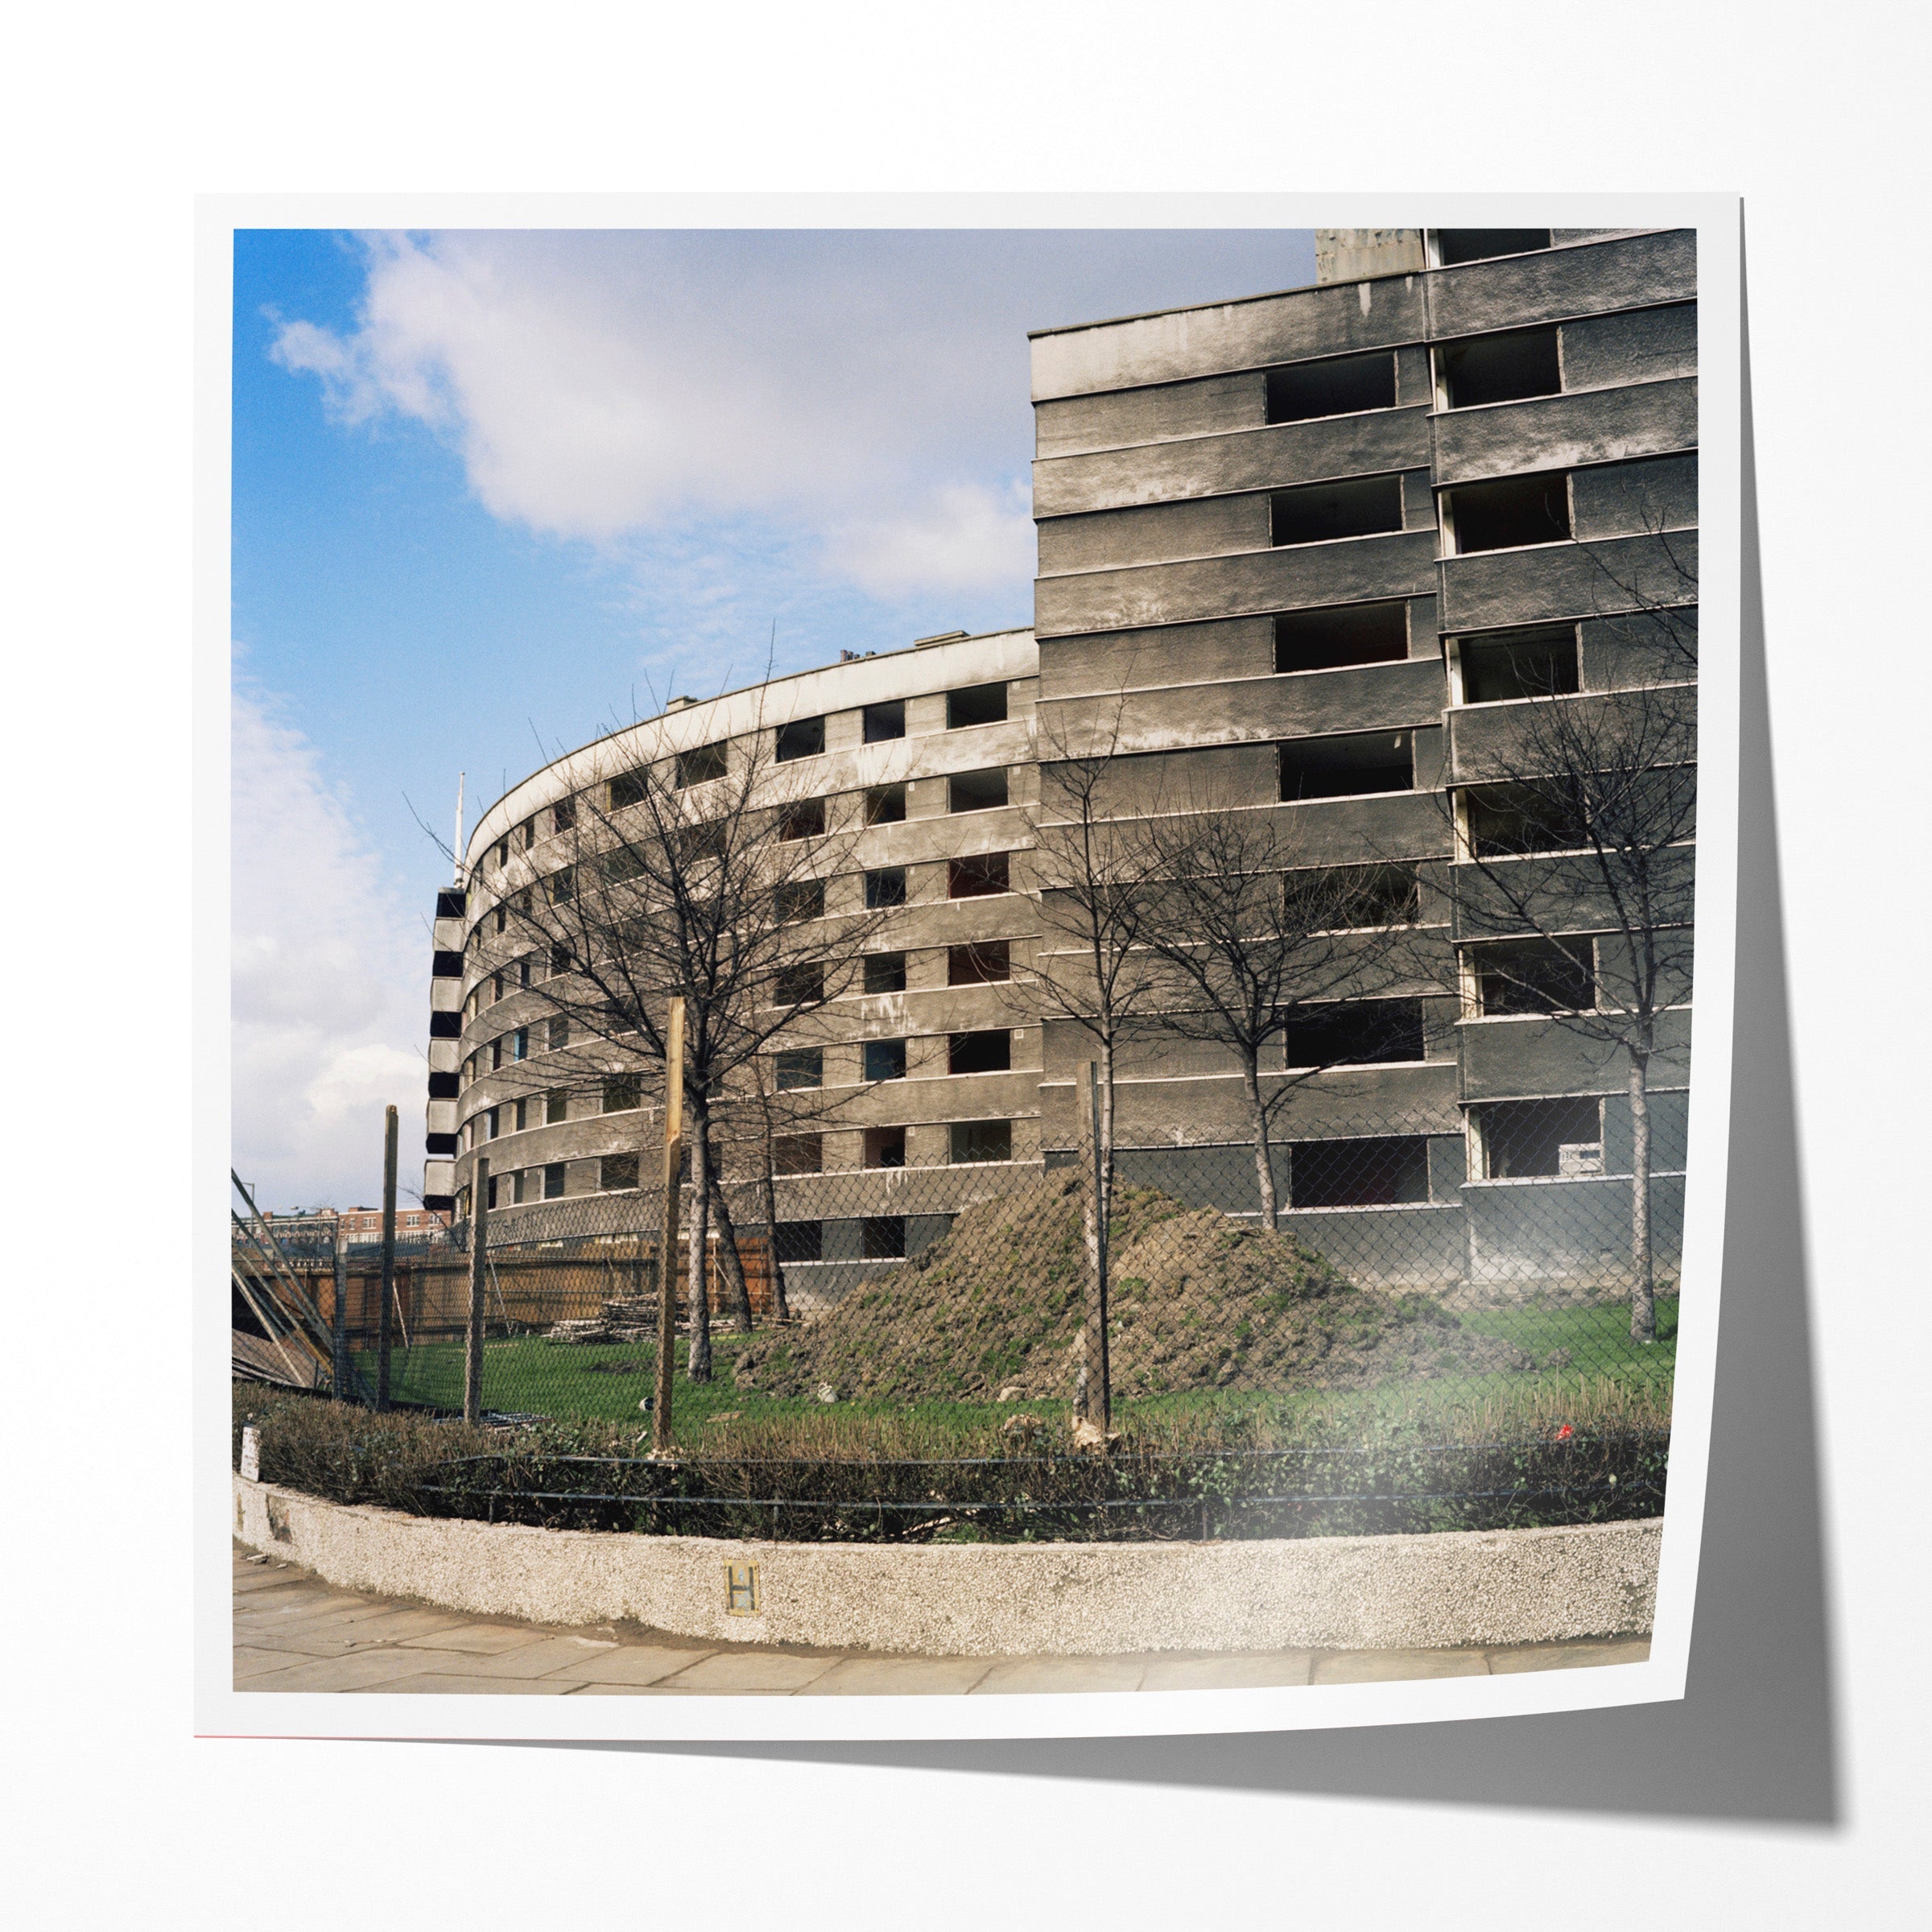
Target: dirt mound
x=1199, y=1301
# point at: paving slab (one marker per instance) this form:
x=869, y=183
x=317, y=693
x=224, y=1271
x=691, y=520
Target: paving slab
x=484, y=1640
x=355, y=1671
x=753, y=1670
x=549, y=1654
x=398, y=1625
x=1040, y=1674
x=1579, y=1656
x=1394, y=1666
x=249, y=1662
x=899, y=1677
x=444, y=1683
x=632, y=1664
x=1245, y=1672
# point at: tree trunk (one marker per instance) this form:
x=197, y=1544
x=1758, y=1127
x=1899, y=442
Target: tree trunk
x=1264, y=1160
x=697, y=1367
x=780, y=1309
x=730, y=1261
x=1643, y=1289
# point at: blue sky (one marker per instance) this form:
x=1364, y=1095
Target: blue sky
x=494, y=490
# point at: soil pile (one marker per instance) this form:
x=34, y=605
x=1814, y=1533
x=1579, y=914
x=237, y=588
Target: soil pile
x=1199, y=1301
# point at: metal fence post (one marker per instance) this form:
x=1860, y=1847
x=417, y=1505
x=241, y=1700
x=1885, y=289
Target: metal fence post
x=667, y=1272
x=389, y=1255
x=1100, y=1244
x=473, y=1339
x=339, y=1317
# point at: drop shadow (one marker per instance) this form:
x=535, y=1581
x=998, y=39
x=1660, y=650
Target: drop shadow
x=1755, y=1737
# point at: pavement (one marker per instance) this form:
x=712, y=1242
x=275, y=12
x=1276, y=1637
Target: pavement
x=294, y=1632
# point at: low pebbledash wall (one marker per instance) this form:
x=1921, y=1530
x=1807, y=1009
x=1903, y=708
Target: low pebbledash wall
x=982, y=1599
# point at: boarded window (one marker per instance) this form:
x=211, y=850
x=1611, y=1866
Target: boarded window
x=798, y=1153
x=978, y=876
x=980, y=963
x=800, y=1067
x=1355, y=1033
x=1512, y=512
x=1323, y=513
x=1525, y=1139
x=1349, y=633
x=617, y=1172
x=1348, y=765
x=700, y=765
x=885, y=1060
x=976, y=704
x=976, y=790
x=884, y=722
x=1383, y=1171
x=886, y=805
x=984, y=1052
x=1339, y=385
x=1535, y=976
x=885, y=887
x=981, y=1141
x=885, y=972
x=802, y=738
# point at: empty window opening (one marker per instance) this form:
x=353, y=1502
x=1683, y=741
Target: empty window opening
x=1377, y=1172
x=884, y=721
x=884, y=1060
x=801, y=984
x=502, y=916
x=1350, y=898
x=563, y=888
x=527, y=835
x=1321, y=513
x=524, y=1186
x=624, y=864
x=496, y=1052
x=523, y=1115
x=1357, y=1033
x=700, y=765
x=983, y=1052
x=800, y=1067
x=553, y=1181
x=1344, y=767
x=444, y=1086
x=495, y=1121
x=1351, y=634
x=802, y=738
x=523, y=972
x=560, y=1031
x=617, y=1172
x=805, y=818
x=977, y=877
x=798, y=1154
x=1343, y=386
x=800, y=1240
x=496, y=1181
x=882, y=1237
x=983, y=963
x=885, y=1147
x=1512, y=512
x=503, y=850
x=1506, y=821
x=560, y=961
x=695, y=844
x=1458, y=245
x=520, y=1043
x=1526, y=664
x=556, y=1108
x=976, y=790
x=629, y=788
x=884, y=887
x=622, y=1093
x=563, y=815
x=981, y=1141
x=976, y=704
x=1541, y=1140
x=799, y=900
x=886, y=805
x=885, y=972
x=1535, y=976
x=1500, y=369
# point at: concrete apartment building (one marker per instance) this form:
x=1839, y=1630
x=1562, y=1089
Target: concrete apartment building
x=1288, y=545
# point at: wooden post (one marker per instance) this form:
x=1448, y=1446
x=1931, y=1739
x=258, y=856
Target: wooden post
x=1100, y=1244
x=389, y=1255
x=667, y=1241
x=338, y=1323
x=479, y=1276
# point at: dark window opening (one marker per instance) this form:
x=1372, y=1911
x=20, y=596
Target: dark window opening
x=622, y=1093
x=563, y=815
x=496, y=1052
x=885, y=972
x=1530, y=664
x=885, y=1147
x=560, y=961
x=493, y=1121
x=1349, y=897
x=802, y=738
x=1511, y=513
x=617, y=1172
x=626, y=863
x=885, y=1060
x=976, y=790
x=976, y=704
x=884, y=721
x=1540, y=1140
x=700, y=765
x=694, y=844
x=629, y=788
x=503, y=850
x=884, y=887
x=983, y=963
x=803, y=819
x=496, y=1180
x=882, y=1237
x=1353, y=763
x=886, y=805
x=1506, y=821
x=553, y=1181
x=520, y=1044
x=559, y=1032
x=556, y=1108
x=1500, y=369
x=523, y=1115
x=1382, y=1172
x=799, y=1066
x=1321, y=513
x=1341, y=386
x=1535, y=976
x=800, y=1240
x=1357, y=1033
x=800, y=899
x=1352, y=633
x=802, y=984
x=563, y=887
x=798, y=1153
x=523, y=972
x=502, y=916
x=445, y=1086
x=977, y=877
x=985, y=1052
x=445, y=1026
x=449, y=903
x=981, y=1141
x=527, y=835
x=1458, y=245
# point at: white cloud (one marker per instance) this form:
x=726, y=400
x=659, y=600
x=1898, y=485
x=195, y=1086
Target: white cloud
x=964, y=537
x=329, y=980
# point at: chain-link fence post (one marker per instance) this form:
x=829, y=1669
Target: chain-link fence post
x=339, y=1316
x=1099, y=1243
x=479, y=1273
x=389, y=1255
x=667, y=1241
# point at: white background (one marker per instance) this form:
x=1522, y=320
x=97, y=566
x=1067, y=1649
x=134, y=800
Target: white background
x=1788, y=1790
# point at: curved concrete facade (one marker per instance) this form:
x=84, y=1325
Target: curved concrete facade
x=994, y=1600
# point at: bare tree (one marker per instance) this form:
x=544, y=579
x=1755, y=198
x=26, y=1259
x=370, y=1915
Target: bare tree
x=1574, y=818
x=701, y=874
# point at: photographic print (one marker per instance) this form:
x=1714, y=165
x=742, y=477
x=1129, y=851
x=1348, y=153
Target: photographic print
x=964, y=951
